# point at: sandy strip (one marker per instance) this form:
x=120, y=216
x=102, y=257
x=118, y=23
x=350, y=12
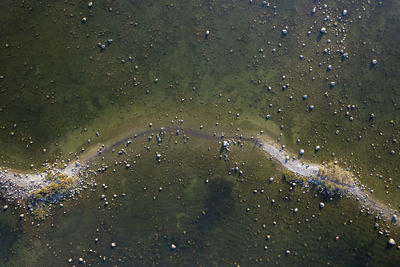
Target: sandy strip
x=17, y=185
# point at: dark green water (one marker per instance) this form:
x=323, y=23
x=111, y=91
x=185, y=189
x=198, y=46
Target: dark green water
x=56, y=83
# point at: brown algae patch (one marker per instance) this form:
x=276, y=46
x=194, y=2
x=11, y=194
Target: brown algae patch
x=60, y=184
x=336, y=177
x=331, y=179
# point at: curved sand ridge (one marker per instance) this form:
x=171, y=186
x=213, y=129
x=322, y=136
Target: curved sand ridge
x=17, y=185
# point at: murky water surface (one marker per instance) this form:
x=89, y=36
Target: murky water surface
x=70, y=71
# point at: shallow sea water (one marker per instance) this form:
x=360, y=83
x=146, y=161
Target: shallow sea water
x=58, y=88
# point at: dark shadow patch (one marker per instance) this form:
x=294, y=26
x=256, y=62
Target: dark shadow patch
x=218, y=205
x=319, y=37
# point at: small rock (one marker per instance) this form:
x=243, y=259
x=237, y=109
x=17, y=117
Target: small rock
x=5, y=207
x=321, y=205
x=225, y=144
x=301, y=152
x=344, y=13
x=391, y=242
x=173, y=246
x=113, y=245
x=374, y=61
